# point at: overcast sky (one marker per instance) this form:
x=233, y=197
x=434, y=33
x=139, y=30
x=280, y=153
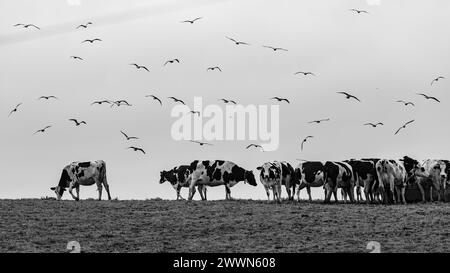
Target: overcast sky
x=390, y=54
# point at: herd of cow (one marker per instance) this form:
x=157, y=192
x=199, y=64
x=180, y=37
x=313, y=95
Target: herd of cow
x=382, y=180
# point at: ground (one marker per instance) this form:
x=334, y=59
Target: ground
x=34, y=225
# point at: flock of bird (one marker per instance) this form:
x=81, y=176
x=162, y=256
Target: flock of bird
x=118, y=103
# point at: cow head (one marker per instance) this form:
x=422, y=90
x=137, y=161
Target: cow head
x=168, y=176
x=413, y=168
x=269, y=172
x=63, y=183
x=162, y=178
x=250, y=178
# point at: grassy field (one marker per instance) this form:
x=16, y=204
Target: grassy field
x=34, y=225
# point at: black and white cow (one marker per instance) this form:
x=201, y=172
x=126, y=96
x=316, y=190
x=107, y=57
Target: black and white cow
x=84, y=174
x=364, y=174
x=437, y=177
x=338, y=175
x=218, y=172
x=180, y=177
x=309, y=174
x=374, y=191
x=273, y=175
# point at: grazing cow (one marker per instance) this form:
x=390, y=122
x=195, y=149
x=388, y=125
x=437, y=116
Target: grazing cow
x=179, y=177
x=85, y=174
x=275, y=174
x=437, y=175
x=364, y=176
x=338, y=175
x=218, y=172
x=309, y=174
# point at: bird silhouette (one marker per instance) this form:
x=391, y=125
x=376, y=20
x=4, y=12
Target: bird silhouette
x=406, y=103
x=176, y=100
x=276, y=48
x=191, y=21
x=128, y=137
x=349, y=96
x=200, y=143
x=171, y=61
x=280, y=99
x=47, y=97
x=359, y=11
x=228, y=101
x=373, y=124
x=155, y=98
x=84, y=25
x=437, y=79
x=100, y=102
x=42, y=130
x=254, y=145
x=214, y=68
x=403, y=126
x=78, y=123
x=15, y=109
x=77, y=58
x=140, y=67
x=428, y=97
x=27, y=26
x=304, y=140
x=120, y=102
x=92, y=40
x=136, y=149
x=304, y=73
x=319, y=121
x=237, y=42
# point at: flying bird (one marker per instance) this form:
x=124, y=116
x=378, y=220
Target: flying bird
x=120, y=102
x=15, y=109
x=200, y=143
x=406, y=103
x=78, y=123
x=47, y=97
x=404, y=126
x=27, y=26
x=214, y=68
x=304, y=73
x=92, y=40
x=177, y=100
x=136, y=149
x=237, y=42
x=275, y=48
x=359, y=11
x=100, y=102
x=319, y=121
x=304, y=140
x=349, y=96
x=374, y=124
x=191, y=21
x=428, y=97
x=85, y=25
x=228, y=101
x=128, y=137
x=140, y=67
x=254, y=145
x=42, y=130
x=437, y=79
x=155, y=98
x=280, y=99
x=172, y=61
x=77, y=58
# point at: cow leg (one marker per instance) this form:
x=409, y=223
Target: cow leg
x=308, y=190
x=288, y=190
x=267, y=192
x=392, y=188
x=328, y=192
x=100, y=189
x=431, y=193
x=70, y=191
x=107, y=189
x=205, y=189
x=422, y=192
x=403, y=189
x=192, y=187
x=227, y=192
x=78, y=191
x=367, y=191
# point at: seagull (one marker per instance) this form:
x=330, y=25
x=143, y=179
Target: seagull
x=137, y=149
x=91, y=40
x=195, y=112
x=76, y=58
x=237, y=42
x=214, y=68
x=406, y=103
x=155, y=98
x=374, y=125
x=47, y=97
x=228, y=101
x=128, y=137
x=319, y=121
x=85, y=25
x=404, y=126
x=120, y=102
x=275, y=48
x=15, y=109
x=140, y=66
x=100, y=102
x=304, y=73
x=27, y=26
x=349, y=96
x=172, y=61
x=304, y=140
x=191, y=21
x=43, y=129
x=78, y=123
x=428, y=97
x=359, y=11
x=176, y=100
x=200, y=143
x=437, y=79
x=280, y=99
x=254, y=145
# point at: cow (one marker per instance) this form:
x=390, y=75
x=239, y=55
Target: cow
x=374, y=192
x=338, y=175
x=275, y=174
x=309, y=174
x=218, y=172
x=179, y=177
x=84, y=174
x=364, y=174
x=437, y=175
